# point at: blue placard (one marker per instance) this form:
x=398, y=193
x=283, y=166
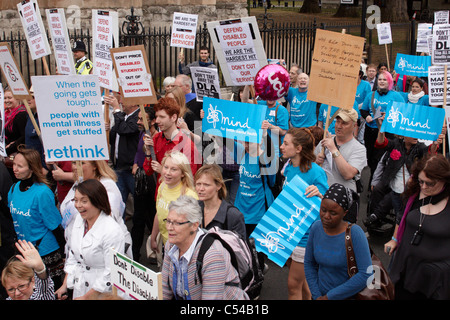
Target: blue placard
x=415, y=121
x=233, y=120
x=286, y=222
x=412, y=65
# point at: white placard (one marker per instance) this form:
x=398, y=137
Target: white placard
x=441, y=44
x=441, y=17
x=384, y=33
x=133, y=280
x=436, y=85
x=60, y=40
x=71, y=117
x=206, y=82
x=12, y=73
x=105, y=35
x=2, y=123
x=423, y=31
x=33, y=27
x=184, y=29
x=239, y=49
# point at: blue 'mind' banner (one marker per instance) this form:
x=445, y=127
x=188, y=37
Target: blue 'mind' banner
x=286, y=222
x=412, y=65
x=415, y=121
x=233, y=120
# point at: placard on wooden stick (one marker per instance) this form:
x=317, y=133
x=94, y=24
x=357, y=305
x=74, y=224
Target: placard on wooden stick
x=133, y=75
x=335, y=68
x=12, y=73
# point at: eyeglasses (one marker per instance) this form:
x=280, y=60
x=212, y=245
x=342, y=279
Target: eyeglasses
x=428, y=184
x=21, y=288
x=175, y=223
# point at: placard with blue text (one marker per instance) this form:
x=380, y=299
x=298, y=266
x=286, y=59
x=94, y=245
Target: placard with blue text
x=233, y=120
x=286, y=222
x=415, y=121
x=412, y=65
x=71, y=117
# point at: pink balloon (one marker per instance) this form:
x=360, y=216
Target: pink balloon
x=272, y=82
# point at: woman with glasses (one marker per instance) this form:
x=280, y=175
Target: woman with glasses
x=421, y=265
x=25, y=276
x=179, y=272
x=94, y=233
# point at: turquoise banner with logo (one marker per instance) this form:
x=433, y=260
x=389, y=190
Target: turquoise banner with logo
x=233, y=120
x=412, y=65
x=415, y=121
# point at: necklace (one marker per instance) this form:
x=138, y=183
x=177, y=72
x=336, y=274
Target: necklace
x=417, y=237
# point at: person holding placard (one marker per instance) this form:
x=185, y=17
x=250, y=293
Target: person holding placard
x=302, y=112
x=83, y=65
x=94, y=233
x=417, y=94
x=204, y=61
x=298, y=148
x=373, y=107
x=321, y=119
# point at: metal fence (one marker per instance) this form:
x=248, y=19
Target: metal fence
x=293, y=42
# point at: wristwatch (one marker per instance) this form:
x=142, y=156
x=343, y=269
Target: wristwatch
x=336, y=154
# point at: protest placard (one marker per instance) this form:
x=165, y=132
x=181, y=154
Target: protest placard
x=184, y=29
x=412, y=65
x=436, y=86
x=133, y=75
x=441, y=17
x=415, y=121
x=441, y=44
x=423, y=31
x=239, y=49
x=12, y=73
x=31, y=19
x=105, y=35
x=60, y=39
x=286, y=222
x=133, y=279
x=206, y=82
x=384, y=33
x=71, y=119
x=233, y=120
x=335, y=66
x=2, y=123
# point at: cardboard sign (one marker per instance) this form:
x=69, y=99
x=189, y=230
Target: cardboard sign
x=233, y=120
x=60, y=39
x=423, y=31
x=206, y=82
x=436, y=85
x=384, y=33
x=335, y=68
x=441, y=44
x=12, y=73
x=71, y=117
x=133, y=279
x=105, y=35
x=2, y=123
x=286, y=222
x=133, y=75
x=239, y=49
x=31, y=19
x=184, y=29
x=415, y=121
x=412, y=65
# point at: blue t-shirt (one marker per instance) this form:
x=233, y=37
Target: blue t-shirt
x=302, y=111
x=380, y=101
x=326, y=263
x=362, y=90
x=323, y=116
x=315, y=176
x=35, y=215
x=251, y=194
x=281, y=121
x=424, y=101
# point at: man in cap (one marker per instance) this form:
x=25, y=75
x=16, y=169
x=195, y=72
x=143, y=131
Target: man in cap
x=83, y=65
x=344, y=157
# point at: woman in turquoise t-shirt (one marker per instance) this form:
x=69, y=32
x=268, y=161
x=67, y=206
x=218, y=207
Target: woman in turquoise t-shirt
x=35, y=215
x=298, y=147
x=417, y=94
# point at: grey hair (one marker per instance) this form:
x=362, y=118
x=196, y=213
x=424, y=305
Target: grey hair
x=185, y=80
x=299, y=69
x=187, y=206
x=168, y=80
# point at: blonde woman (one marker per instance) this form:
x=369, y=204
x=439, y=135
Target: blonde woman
x=176, y=180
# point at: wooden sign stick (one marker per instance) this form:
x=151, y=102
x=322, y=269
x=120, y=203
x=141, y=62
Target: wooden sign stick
x=387, y=57
x=106, y=114
x=46, y=69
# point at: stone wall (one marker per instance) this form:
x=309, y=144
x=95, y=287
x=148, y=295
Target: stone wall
x=153, y=13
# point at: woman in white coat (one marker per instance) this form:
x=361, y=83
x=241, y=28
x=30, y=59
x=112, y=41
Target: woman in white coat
x=94, y=233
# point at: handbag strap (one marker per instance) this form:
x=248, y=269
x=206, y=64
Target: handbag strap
x=352, y=269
